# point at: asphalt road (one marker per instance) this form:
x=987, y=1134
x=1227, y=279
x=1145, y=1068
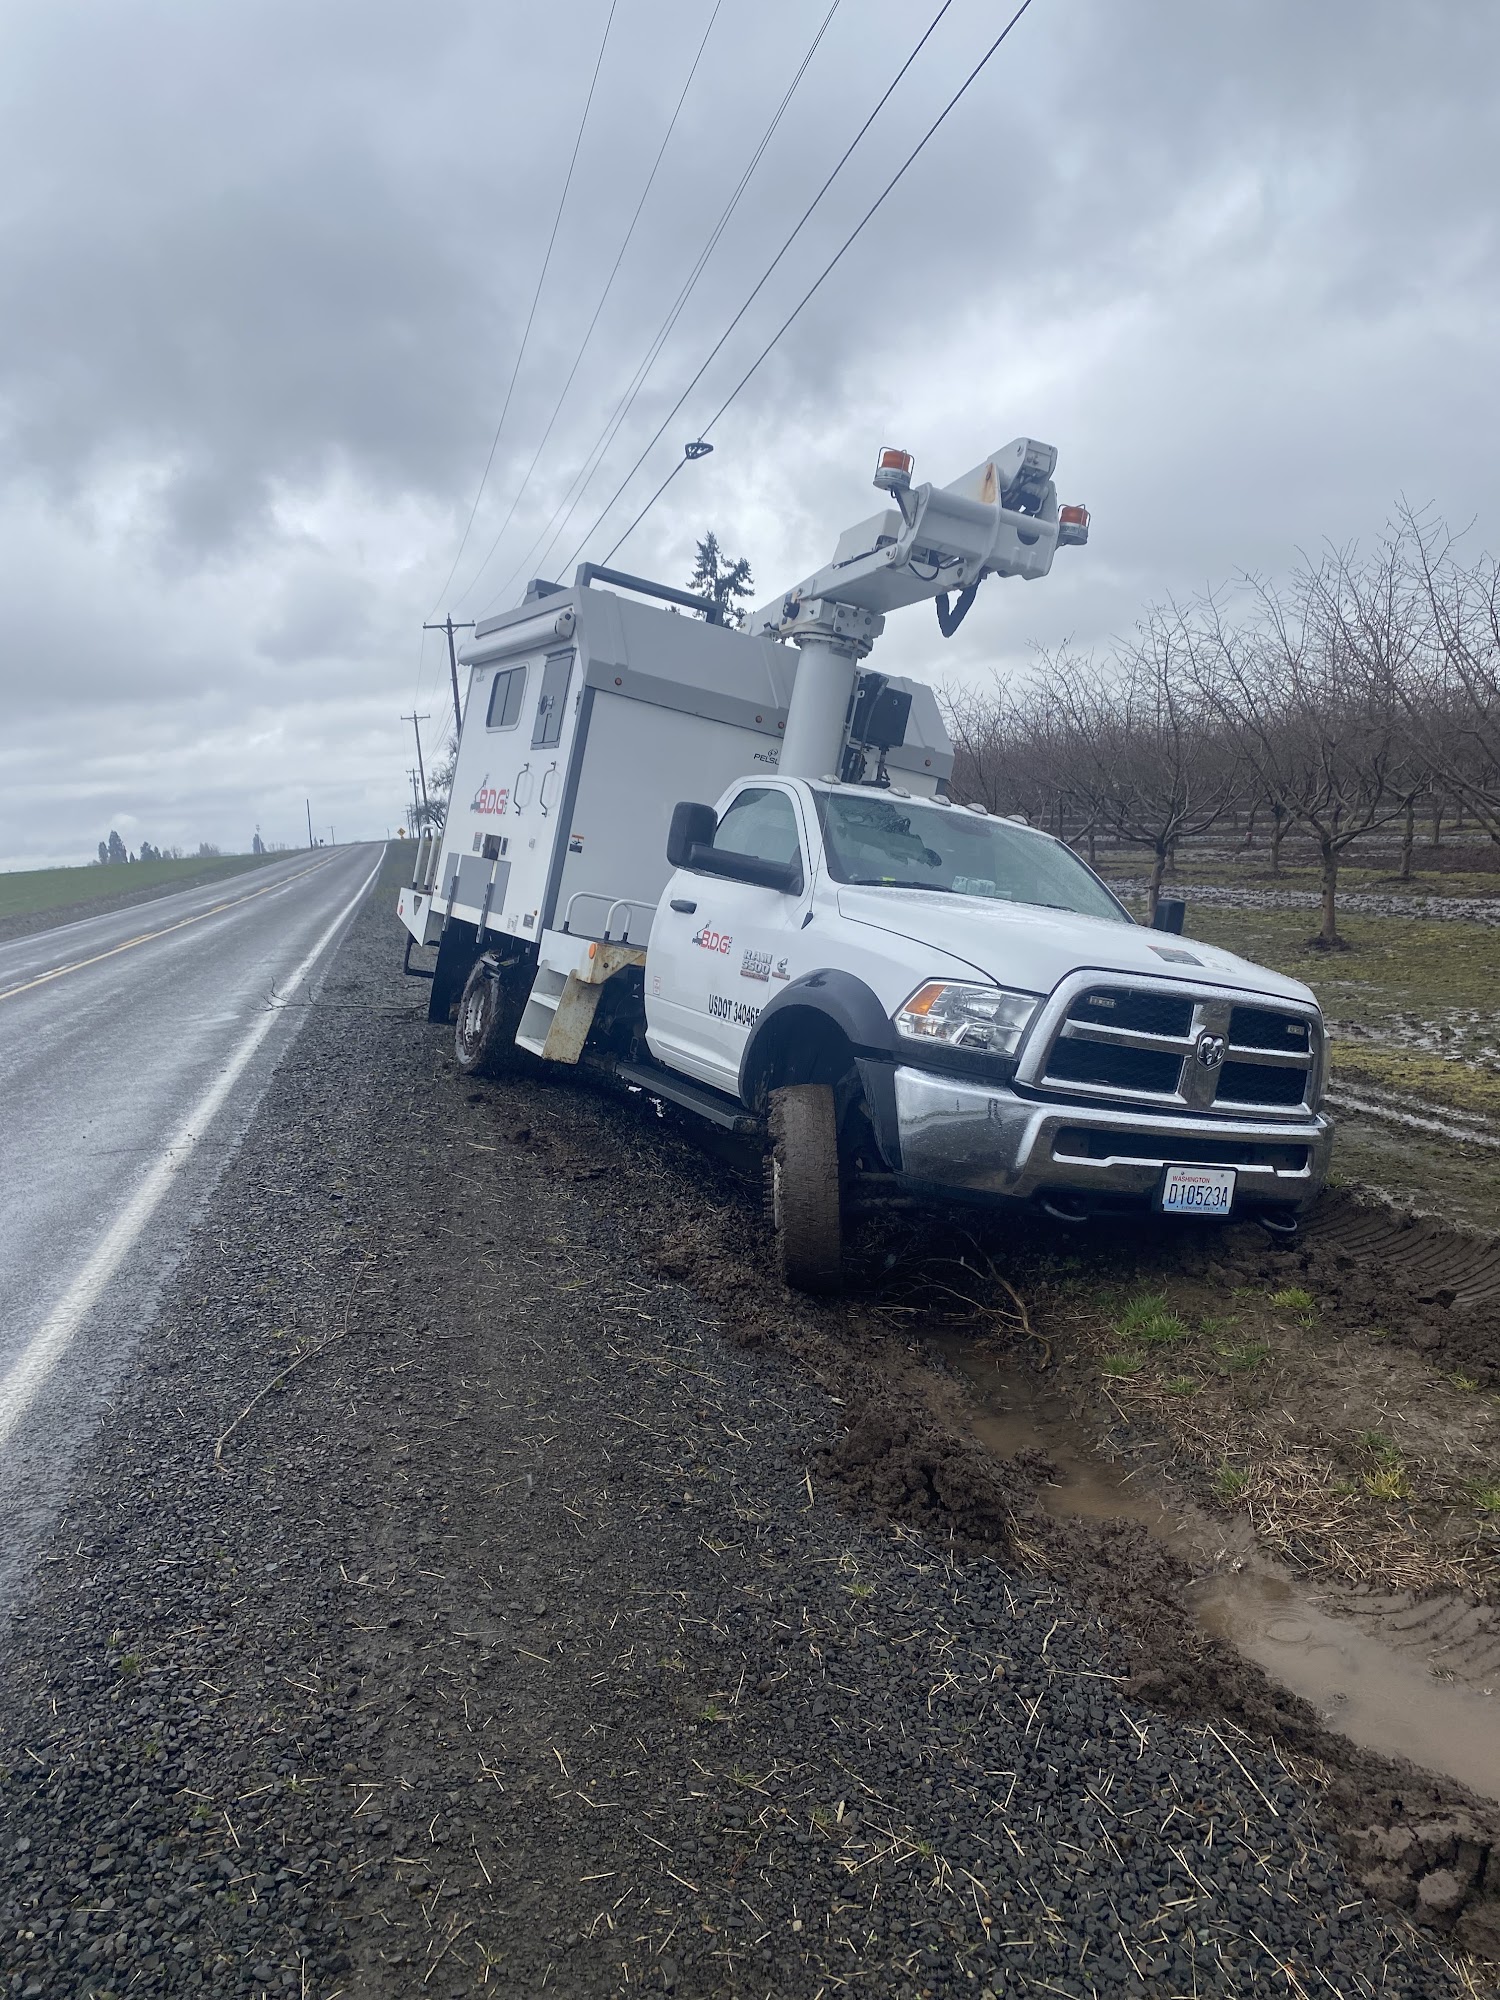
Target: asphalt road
x=134, y=1047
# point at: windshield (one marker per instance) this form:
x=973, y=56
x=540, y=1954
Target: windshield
x=891, y=843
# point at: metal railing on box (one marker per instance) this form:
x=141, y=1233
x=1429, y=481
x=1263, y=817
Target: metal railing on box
x=613, y=906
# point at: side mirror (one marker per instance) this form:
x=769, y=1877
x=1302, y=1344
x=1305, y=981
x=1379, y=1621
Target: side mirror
x=1171, y=914
x=692, y=826
x=783, y=875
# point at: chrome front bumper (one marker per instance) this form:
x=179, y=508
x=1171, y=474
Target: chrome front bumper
x=979, y=1139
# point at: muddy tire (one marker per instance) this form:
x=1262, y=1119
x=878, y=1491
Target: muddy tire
x=803, y=1188
x=485, y=1026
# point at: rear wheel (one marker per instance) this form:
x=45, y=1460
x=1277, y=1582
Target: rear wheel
x=803, y=1186
x=484, y=1031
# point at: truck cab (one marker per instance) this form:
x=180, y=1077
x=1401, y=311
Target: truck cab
x=986, y=1018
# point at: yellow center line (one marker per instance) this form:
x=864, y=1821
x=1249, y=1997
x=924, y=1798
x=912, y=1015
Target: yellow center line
x=58, y=971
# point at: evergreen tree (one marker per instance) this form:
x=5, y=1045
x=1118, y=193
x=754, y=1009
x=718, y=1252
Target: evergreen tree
x=726, y=583
x=116, y=849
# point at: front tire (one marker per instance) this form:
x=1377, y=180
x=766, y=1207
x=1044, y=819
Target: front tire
x=483, y=1032
x=804, y=1187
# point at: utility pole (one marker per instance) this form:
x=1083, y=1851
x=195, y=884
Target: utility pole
x=417, y=822
x=308, y=803
x=414, y=719
x=450, y=628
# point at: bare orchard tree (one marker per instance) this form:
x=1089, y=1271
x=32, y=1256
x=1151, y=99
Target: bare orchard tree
x=1143, y=739
x=1452, y=700
x=1310, y=692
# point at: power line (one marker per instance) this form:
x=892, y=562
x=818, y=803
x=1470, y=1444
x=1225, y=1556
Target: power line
x=751, y=297
x=865, y=218
x=655, y=347
x=833, y=261
x=598, y=309
x=535, y=300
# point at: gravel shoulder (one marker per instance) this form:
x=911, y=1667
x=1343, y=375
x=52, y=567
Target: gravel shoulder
x=485, y=1577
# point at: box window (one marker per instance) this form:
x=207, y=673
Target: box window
x=505, y=699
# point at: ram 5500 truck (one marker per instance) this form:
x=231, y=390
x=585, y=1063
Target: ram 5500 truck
x=895, y=992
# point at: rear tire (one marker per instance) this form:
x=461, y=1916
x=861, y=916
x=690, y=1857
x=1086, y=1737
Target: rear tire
x=485, y=1027
x=804, y=1187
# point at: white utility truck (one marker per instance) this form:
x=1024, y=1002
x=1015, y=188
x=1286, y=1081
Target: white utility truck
x=900, y=995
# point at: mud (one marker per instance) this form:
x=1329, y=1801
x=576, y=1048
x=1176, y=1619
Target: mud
x=1417, y=1680
x=1435, y=1288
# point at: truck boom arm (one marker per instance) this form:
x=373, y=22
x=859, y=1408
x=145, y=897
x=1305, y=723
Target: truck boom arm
x=1001, y=518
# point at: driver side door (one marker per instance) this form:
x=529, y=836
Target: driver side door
x=719, y=947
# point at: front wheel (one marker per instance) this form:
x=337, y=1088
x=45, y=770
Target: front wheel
x=483, y=1033
x=805, y=1202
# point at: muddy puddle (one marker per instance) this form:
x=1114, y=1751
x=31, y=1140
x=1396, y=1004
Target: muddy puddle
x=1414, y=1680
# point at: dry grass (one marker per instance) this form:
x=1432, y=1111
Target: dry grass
x=1266, y=1414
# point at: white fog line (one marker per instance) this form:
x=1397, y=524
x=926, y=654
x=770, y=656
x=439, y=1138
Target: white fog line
x=19, y=1388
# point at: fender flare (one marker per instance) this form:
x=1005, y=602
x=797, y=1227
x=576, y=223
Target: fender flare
x=848, y=1003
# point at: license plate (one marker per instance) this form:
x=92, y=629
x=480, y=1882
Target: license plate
x=1197, y=1190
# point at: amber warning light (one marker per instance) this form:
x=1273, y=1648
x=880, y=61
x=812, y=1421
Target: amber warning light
x=1072, y=526
x=893, y=470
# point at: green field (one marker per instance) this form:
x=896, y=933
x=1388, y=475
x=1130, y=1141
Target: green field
x=31, y=892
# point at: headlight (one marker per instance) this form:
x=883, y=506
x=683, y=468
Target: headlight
x=987, y=1018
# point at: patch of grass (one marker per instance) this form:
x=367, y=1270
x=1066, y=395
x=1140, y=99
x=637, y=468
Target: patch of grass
x=1301, y=1304
x=130, y=1663
x=1123, y=1364
x=862, y=1591
x=1242, y=1357
x=1464, y=1382
x=1150, y=1320
x=28, y=892
x=711, y=1712
x=1144, y=1306
x=1378, y=1445
x=1485, y=1494
x=1422, y=1072
x=1230, y=1482
x=1183, y=1385
x=1389, y=1481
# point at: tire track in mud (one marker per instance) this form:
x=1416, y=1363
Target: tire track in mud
x=1454, y=1267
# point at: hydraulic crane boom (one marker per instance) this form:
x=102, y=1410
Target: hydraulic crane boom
x=999, y=519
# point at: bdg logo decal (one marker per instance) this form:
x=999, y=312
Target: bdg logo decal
x=489, y=800
x=708, y=939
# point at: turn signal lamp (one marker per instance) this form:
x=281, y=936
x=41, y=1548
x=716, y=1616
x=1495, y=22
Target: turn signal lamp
x=893, y=470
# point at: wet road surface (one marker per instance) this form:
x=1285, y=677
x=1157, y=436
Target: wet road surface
x=133, y=1049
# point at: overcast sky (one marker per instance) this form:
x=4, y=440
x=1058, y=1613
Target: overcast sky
x=265, y=267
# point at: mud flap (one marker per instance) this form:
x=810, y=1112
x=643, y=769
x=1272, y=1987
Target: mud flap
x=457, y=950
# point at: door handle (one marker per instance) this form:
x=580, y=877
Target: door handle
x=516, y=800
x=683, y=906
x=550, y=772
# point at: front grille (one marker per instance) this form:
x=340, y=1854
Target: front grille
x=1142, y=1013
x=1260, y=1028
x=1258, y=1083
x=1157, y=1072
x=1189, y=1046
x=1076, y=1142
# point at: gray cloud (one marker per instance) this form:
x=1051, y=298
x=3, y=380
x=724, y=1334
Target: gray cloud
x=263, y=268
